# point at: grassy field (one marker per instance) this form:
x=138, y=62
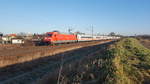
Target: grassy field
x=125, y=62
x=131, y=62
x=145, y=41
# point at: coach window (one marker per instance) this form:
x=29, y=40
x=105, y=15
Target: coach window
x=86, y=37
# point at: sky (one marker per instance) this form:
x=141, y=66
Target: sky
x=126, y=17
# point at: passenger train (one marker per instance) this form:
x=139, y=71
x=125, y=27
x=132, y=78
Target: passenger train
x=56, y=37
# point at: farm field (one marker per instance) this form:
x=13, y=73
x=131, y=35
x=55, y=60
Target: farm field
x=38, y=60
x=18, y=54
x=145, y=41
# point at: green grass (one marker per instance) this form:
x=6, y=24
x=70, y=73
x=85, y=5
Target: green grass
x=131, y=61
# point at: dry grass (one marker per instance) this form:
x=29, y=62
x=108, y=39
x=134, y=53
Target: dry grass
x=125, y=62
x=23, y=54
x=145, y=42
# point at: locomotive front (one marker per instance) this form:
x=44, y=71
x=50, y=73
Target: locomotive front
x=48, y=38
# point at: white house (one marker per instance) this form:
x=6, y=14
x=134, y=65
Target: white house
x=17, y=41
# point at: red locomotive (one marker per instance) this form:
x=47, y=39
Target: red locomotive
x=56, y=37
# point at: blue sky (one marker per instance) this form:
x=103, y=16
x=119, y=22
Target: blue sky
x=127, y=17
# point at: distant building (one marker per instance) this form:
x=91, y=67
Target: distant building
x=17, y=41
x=6, y=39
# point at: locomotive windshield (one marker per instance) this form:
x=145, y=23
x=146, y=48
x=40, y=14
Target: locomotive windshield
x=49, y=35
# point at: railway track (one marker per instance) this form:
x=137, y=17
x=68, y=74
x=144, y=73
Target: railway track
x=29, y=75
x=31, y=49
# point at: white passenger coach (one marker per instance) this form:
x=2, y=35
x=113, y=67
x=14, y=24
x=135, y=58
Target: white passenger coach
x=95, y=37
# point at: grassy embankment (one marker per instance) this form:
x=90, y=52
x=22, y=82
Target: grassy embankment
x=125, y=62
x=131, y=62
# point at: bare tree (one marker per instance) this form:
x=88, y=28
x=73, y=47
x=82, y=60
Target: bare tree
x=70, y=30
x=1, y=34
x=112, y=34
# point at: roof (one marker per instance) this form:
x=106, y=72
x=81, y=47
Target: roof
x=12, y=35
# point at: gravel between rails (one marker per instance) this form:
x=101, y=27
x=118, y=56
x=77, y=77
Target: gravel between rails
x=49, y=65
